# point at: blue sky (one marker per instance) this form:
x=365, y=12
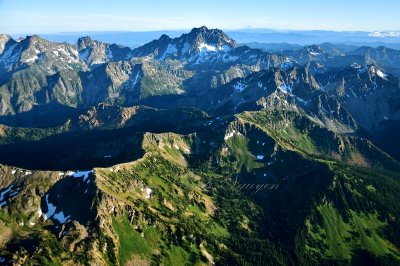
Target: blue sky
x=52, y=16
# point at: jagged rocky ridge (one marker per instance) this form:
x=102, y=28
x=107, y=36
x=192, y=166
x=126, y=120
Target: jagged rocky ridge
x=174, y=130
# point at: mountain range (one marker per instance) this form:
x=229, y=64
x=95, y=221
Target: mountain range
x=257, y=35
x=198, y=150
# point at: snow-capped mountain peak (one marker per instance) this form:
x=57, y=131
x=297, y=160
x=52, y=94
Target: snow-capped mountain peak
x=197, y=41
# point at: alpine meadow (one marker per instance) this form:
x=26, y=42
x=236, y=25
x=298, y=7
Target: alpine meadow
x=132, y=135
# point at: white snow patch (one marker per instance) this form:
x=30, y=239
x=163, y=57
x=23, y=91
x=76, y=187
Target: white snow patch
x=61, y=50
x=203, y=47
x=84, y=174
x=74, y=52
x=13, y=193
x=285, y=88
x=355, y=65
x=71, y=54
x=61, y=217
x=13, y=172
x=352, y=92
x=51, y=209
x=40, y=213
x=8, y=58
x=239, y=86
x=32, y=59
x=2, y=194
x=85, y=54
x=225, y=48
x=381, y=74
x=231, y=134
x=136, y=80
x=301, y=100
x=148, y=193
x=171, y=49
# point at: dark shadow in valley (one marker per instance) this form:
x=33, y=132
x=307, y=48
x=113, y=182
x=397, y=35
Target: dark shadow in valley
x=75, y=151
x=388, y=138
x=169, y=101
x=96, y=148
x=83, y=192
x=41, y=116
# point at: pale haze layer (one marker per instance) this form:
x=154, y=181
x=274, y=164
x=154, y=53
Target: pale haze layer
x=48, y=16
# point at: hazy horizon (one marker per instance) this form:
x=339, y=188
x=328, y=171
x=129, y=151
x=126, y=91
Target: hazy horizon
x=48, y=17
x=198, y=26
x=135, y=39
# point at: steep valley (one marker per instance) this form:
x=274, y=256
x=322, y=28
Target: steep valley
x=197, y=151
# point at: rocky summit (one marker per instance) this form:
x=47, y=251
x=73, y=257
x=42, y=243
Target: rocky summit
x=198, y=150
